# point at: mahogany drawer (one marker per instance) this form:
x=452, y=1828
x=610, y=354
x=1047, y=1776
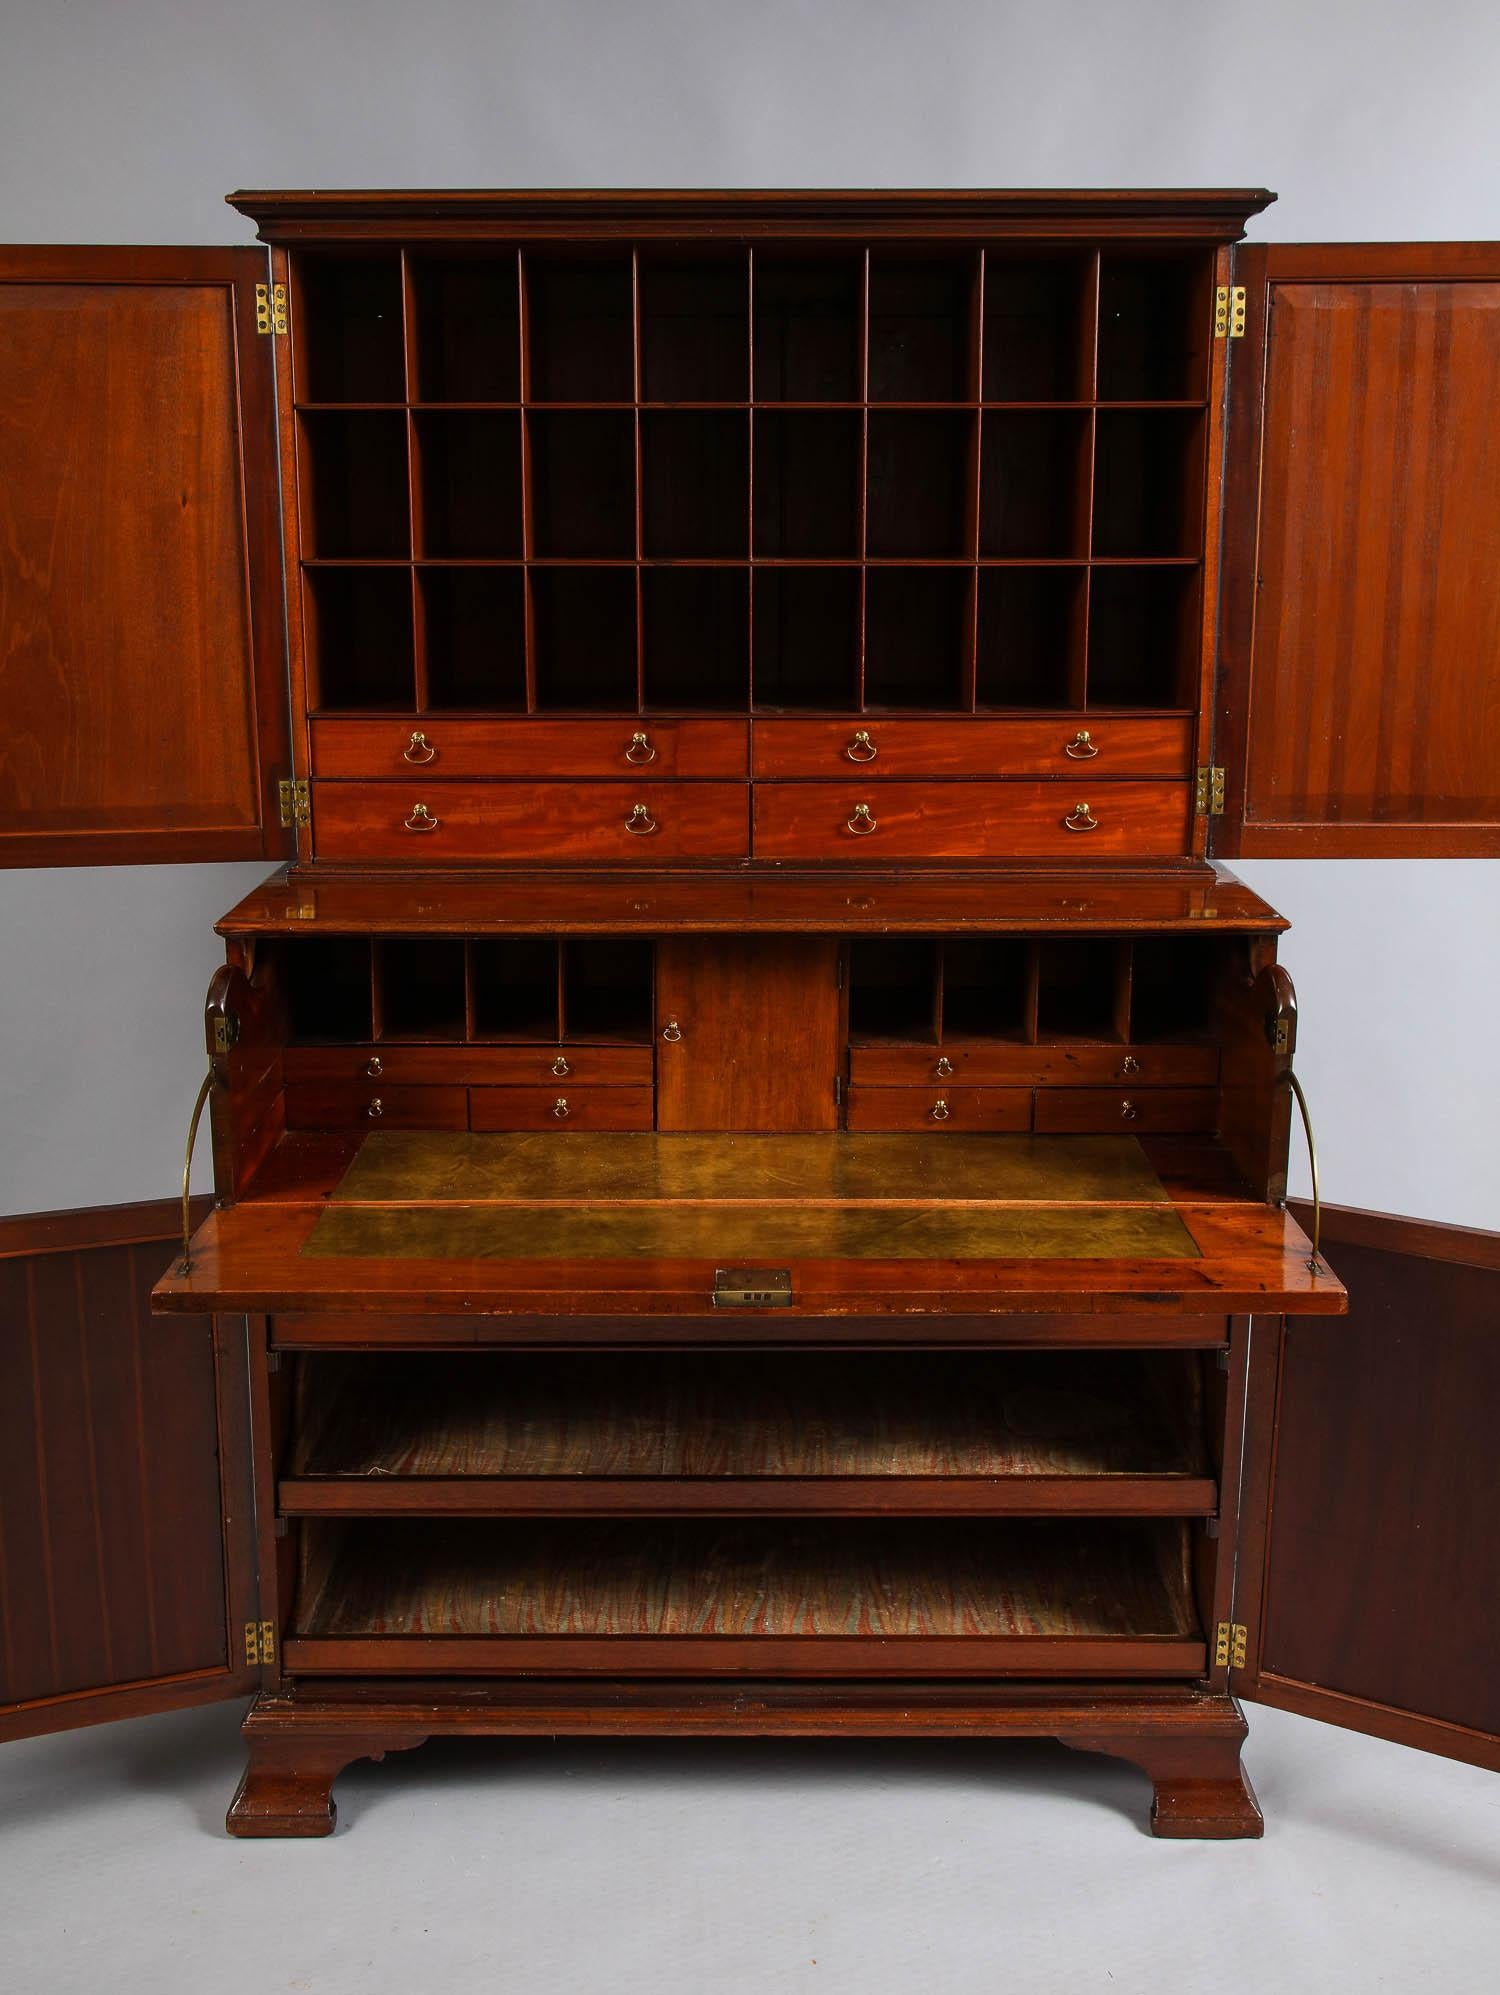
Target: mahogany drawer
x=561, y=1107
x=591, y=1066
x=1140, y=1111
x=440, y=749
x=1065, y=746
x=938, y=1107
x=430, y=826
x=975, y=820
x=374, y=1104
x=1009, y=1064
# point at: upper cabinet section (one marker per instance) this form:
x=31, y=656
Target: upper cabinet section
x=1360, y=661
x=142, y=655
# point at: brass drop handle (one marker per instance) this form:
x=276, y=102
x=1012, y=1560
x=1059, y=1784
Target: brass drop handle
x=861, y=748
x=640, y=820
x=943, y=1068
x=560, y=1067
x=640, y=749
x=1082, y=748
x=419, y=748
x=671, y=1031
x=1130, y=1065
x=940, y=1110
x=376, y=1109
x=374, y=1066
x=1128, y=1111
x=861, y=823
x=421, y=819
x=1080, y=818
x=560, y=1107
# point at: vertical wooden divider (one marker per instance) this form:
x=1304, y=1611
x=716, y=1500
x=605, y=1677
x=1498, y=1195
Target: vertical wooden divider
x=968, y=685
x=528, y=530
x=1078, y=673
x=560, y=959
x=377, y=990
x=754, y=430
x=416, y=525
x=468, y=991
x=864, y=480
x=1030, y=1030
x=939, y=970
x=1124, y=979
x=637, y=390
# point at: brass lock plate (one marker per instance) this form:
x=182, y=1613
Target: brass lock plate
x=752, y=1288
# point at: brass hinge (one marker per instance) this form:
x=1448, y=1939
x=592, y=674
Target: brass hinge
x=260, y=1643
x=1208, y=793
x=1230, y=1642
x=270, y=308
x=1229, y=311
x=296, y=801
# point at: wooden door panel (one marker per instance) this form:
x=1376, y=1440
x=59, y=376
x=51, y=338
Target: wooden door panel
x=757, y=1019
x=1371, y=1579
x=1360, y=682
x=142, y=647
x=126, y=1572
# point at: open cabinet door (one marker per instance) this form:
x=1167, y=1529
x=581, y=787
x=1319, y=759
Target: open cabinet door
x=127, y=1573
x=1368, y=1585
x=142, y=613
x=1359, y=687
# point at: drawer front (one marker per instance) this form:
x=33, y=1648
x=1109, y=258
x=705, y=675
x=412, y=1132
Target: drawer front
x=1008, y=1064
x=1138, y=1111
x=899, y=820
x=585, y=1066
x=559, y=1107
x=440, y=750
x=940, y=1108
x=1066, y=746
x=372, y=1104
x=428, y=826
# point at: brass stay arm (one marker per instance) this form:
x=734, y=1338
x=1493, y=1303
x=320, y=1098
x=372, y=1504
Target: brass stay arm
x=187, y=1171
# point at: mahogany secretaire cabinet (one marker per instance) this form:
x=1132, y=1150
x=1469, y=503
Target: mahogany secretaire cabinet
x=750, y=1126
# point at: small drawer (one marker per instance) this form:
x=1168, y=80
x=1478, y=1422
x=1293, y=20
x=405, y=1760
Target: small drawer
x=940, y=1108
x=973, y=820
x=440, y=750
x=1137, y=1111
x=561, y=1107
x=393, y=1062
x=1008, y=1063
x=373, y=1104
x=429, y=826
x=1065, y=746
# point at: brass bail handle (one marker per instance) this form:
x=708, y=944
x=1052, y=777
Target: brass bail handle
x=1316, y=1265
x=187, y=1173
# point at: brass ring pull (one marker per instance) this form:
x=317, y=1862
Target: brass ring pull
x=940, y=1110
x=1128, y=1111
x=1080, y=818
x=1130, y=1064
x=671, y=1031
x=1082, y=748
x=560, y=1067
x=374, y=1066
x=376, y=1109
x=419, y=748
x=943, y=1068
x=640, y=749
x=861, y=748
x=640, y=820
x=421, y=819
x=560, y=1107
x=861, y=823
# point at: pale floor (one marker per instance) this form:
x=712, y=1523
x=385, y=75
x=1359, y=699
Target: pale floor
x=741, y=1866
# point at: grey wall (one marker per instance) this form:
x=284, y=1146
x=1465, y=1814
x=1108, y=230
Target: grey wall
x=127, y=123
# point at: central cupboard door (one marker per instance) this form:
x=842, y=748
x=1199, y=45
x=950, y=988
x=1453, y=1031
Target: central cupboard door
x=747, y=1033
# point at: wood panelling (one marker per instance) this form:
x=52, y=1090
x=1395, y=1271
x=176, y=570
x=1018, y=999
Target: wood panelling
x=1371, y=1484
x=1361, y=693
x=141, y=665
x=855, y=820
x=421, y=824
x=1065, y=746
x=437, y=747
x=758, y=1043
x=124, y=1508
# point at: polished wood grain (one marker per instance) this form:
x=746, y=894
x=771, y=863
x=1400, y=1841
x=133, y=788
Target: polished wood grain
x=561, y=1106
x=999, y=1063
x=529, y=821
x=1010, y=747
x=914, y=822
x=141, y=664
x=492, y=1066
x=1149, y=1110
x=758, y=1033
x=124, y=1553
x=939, y=1107
x=369, y=1104
x=533, y=748
x=1367, y=550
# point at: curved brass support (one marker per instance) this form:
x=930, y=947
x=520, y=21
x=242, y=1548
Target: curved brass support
x=1315, y=1265
x=187, y=1172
